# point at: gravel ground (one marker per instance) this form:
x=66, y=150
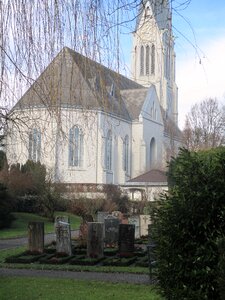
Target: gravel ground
x=13, y=243
x=106, y=277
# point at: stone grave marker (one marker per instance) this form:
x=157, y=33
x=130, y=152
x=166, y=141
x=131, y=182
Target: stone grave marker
x=145, y=220
x=135, y=220
x=150, y=239
x=124, y=219
x=118, y=215
x=126, y=239
x=83, y=230
x=63, y=237
x=61, y=219
x=95, y=240
x=101, y=215
x=36, y=237
x=111, y=231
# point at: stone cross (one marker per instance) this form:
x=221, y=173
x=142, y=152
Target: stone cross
x=145, y=220
x=63, y=236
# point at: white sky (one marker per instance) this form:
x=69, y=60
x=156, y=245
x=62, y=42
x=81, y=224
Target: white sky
x=200, y=78
x=200, y=74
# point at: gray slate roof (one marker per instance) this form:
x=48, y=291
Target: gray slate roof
x=73, y=80
x=134, y=100
x=152, y=176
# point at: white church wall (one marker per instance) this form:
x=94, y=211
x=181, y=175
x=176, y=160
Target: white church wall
x=171, y=148
x=55, y=144
x=120, y=129
x=87, y=122
x=138, y=147
x=17, y=145
x=153, y=132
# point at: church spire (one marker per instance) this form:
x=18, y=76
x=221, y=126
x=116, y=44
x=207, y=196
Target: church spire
x=153, y=57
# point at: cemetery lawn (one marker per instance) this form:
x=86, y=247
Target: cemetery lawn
x=56, y=289
x=19, y=225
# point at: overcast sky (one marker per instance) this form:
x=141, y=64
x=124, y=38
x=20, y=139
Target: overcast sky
x=201, y=66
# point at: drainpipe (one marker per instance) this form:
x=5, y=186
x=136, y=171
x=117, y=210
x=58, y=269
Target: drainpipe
x=97, y=148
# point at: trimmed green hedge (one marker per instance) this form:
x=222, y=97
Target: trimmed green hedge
x=221, y=268
x=188, y=221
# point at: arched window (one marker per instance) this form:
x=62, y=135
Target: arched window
x=147, y=59
x=152, y=157
x=34, y=145
x=153, y=59
x=108, y=151
x=126, y=154
x=76, y=147
x=147, y=11
x=142, y=61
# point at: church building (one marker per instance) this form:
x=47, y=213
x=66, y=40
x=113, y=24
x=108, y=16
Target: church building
x=92, y=126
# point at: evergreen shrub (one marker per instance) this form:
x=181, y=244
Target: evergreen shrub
x=188, y=222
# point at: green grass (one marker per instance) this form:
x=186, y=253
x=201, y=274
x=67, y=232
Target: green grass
x=58, y=289
x=19, y=225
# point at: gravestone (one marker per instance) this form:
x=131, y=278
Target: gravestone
x=95, y=240
x=126, y=240
x=145, y=220
x=61, y=219
x=124, y=219
x=150, y=239
x=36, y=237
x=101, y=215
x=83, y=230
x=135, y=220
x=63, y=237
x=111, y=231
x=118, y=215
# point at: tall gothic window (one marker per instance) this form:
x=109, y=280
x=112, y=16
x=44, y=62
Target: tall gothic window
x=152, y=158
x=153, y=59
x=126, y=154
x=76, y=147
x=147, y=59
x=142, y=61
x=35, y=145
x=108, y=151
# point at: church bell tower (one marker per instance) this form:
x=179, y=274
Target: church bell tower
x=153, y=56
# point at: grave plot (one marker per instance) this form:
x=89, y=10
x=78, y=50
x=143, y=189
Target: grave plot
x=124, y=251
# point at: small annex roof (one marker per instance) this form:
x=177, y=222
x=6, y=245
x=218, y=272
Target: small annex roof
x=151, y=177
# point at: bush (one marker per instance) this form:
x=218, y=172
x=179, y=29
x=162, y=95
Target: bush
x=6, y=207
x=3, y=160
x=28, y=204
x=114, y=194
x=83, y=207
x=221, y=268
x=187, y=224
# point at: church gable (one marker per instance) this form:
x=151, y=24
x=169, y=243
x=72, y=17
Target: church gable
x=151, y=109
x=60, y=84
